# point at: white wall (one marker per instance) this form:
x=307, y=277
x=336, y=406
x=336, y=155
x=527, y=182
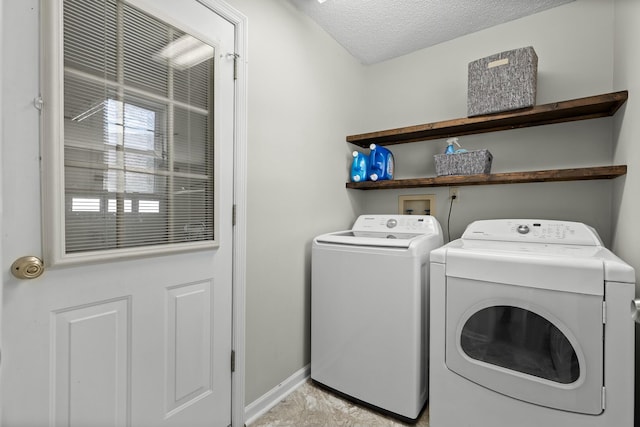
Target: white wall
x=304, y=96
x=626, y=202
x=626, y=236
x=574, y=44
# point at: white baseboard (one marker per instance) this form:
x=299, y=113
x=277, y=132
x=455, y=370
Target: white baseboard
x=271, y=398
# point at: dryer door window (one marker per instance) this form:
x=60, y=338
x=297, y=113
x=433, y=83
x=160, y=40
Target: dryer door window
x=521, y=340
x=537, y=345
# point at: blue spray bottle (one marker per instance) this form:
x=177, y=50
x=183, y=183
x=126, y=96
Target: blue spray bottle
x=450, y=147
x=359, y=167
x=380, y=163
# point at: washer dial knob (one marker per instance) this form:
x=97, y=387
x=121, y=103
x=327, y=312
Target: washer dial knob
x=523, y=229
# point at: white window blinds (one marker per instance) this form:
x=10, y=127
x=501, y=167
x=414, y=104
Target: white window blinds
x=138, y=136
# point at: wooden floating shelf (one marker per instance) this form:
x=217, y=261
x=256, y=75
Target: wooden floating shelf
x=558, y=112
x=553, y=175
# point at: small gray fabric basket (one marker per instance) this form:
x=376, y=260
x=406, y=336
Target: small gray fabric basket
x=468, y=163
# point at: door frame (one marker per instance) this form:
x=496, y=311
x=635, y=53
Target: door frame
x=239, y=205
x=239, y=198
x=239, y=261
x=2, y=183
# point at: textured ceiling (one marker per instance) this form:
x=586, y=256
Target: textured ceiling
x=377, y=30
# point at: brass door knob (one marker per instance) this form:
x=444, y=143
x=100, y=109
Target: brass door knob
x=27, y=267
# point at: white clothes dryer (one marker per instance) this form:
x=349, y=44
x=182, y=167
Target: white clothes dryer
x=531, y=325
x=369, y=330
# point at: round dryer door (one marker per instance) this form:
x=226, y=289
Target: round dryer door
x=536, y=345
x=522, y=341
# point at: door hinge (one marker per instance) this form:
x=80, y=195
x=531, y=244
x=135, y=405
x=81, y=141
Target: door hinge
x=235, y=64
x=233, y=360
x=604, y=312
x=604, y=397
x=233, y=215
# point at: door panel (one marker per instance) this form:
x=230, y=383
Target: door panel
x=140, y=341
x=189, y=314
x=95, y=391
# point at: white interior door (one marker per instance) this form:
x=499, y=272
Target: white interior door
x=124, y=339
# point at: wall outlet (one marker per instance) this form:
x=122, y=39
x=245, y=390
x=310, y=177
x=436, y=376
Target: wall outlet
x=454, y=193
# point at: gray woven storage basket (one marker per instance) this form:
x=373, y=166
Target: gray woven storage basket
x=502, y=82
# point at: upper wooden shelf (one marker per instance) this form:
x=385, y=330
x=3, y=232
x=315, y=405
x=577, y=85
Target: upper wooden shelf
x=590, y=107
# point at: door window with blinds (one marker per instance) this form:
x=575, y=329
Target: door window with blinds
x=138, y=99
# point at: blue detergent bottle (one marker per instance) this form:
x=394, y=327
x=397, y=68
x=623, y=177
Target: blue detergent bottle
x=359, y=167
x=380, y=163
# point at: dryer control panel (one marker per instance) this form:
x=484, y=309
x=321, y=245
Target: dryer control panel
x=529, y=230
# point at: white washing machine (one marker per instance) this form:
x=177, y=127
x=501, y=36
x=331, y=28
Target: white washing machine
x=531, y=325
x=369, y=330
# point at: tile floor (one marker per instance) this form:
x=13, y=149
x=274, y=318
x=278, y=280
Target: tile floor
x=312, y=406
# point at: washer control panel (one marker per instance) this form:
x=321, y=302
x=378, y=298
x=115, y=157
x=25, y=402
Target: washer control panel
x=541, y=231
x=397, y=223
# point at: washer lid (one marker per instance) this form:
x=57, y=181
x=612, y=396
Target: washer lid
x=388, y=231
x=370, y=238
